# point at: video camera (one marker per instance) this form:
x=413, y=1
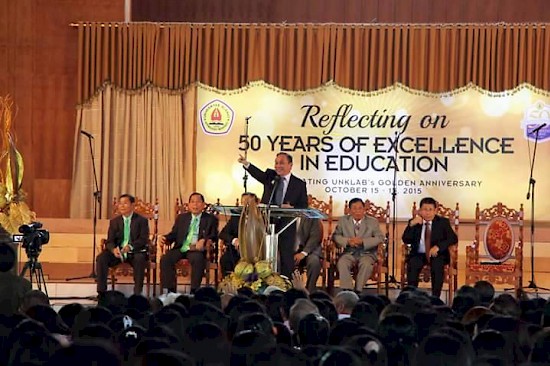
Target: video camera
x=32, y=238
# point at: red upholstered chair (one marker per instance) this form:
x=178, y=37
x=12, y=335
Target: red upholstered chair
x=382, y=214
x=183, y=267
x=450, y=276
x=151, y=212
x=496, y=255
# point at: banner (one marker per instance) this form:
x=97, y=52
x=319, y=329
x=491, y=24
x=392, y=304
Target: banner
x=466, y=146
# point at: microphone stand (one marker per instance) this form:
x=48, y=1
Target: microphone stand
x=277, y=181
x=245, y=176
x=97, y=208
x=391, y=279
x=531, y=194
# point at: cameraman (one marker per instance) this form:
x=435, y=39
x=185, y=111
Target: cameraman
x=12, y=287
x=126, y=242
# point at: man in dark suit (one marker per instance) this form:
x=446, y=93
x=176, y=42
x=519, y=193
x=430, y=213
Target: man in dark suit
x=127, y=240
x=190, y=234
x=287, y=191
x=359, y=236
x=230, y=236
x=429, y=236
x=309, y=253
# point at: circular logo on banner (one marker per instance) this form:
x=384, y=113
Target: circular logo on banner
x=216, y=117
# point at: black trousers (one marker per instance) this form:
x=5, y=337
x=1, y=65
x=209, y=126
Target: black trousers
x=229, y=259
x=168, y=261
x=415, y=262
x=287, y=241
x=107, y=259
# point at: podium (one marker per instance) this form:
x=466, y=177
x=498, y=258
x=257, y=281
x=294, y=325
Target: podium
x=272, y=236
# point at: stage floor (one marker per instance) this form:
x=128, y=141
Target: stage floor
x=83, y=290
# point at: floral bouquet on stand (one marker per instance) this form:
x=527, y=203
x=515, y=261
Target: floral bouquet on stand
x=14, y=212
x=253, y=270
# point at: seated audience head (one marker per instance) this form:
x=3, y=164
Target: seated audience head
x=366, y=314
x=345, y=301
x=313, y=329
x=256, y=321
x=248, y=344
x=337, y=356
x=540, y=352
x=506, y=304
x=300, y=309
x=113, y=300
x=34, y=297
x=69, y=312
x=7, y=257
x=290, y=298
x=209, y=295
x=370, y=348
x=486, y=291
x=443, y=349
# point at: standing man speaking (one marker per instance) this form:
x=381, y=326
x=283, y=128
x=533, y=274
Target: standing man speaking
x=287, y=191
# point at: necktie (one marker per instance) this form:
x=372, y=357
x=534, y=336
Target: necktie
x=126, y=238
x=428, y=239
x=356, y=227
x=193, y=229
x=279, y=193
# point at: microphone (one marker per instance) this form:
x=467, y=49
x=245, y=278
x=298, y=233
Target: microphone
x=247, y=118
x=87, y=134
x=276, y=179
x=536, y=130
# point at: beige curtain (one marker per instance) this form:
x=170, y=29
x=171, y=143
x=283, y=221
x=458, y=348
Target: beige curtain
x=143, y=145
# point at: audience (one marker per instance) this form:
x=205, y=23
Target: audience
x=282, y=328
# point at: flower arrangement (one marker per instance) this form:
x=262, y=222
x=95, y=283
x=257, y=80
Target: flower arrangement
x=252, y=271
x=256, y=276
x=13, y=210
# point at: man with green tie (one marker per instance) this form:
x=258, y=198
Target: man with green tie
x=189, y=234
x=126, y=242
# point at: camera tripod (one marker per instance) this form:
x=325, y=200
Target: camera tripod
x=36, y=272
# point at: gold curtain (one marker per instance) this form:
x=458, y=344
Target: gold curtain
x=143, y=144
x=434, y=58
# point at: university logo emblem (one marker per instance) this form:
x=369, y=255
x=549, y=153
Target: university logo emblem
x=216, y=117
x=536, y=115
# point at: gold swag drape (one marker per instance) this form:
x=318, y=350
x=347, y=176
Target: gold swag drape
x=434, y=58
x=136, y=83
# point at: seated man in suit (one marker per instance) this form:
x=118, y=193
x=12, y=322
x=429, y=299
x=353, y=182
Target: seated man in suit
x=127, y=240
x=284, y=189
x=359, y=235
x=189, y=234
x=309, y=253
x=429, y=236
x=230, y=236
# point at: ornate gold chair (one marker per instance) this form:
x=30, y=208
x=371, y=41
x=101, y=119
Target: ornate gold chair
x=183, y=267
x=326, y=208
x=151, y=212
x=450, y=276
x=382, y=214
x=496, y=255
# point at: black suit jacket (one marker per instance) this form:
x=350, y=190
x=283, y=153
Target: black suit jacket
x=208, y=228
x=443, y=235
x=139, y=232
x=296, y=192
x=231, y=230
